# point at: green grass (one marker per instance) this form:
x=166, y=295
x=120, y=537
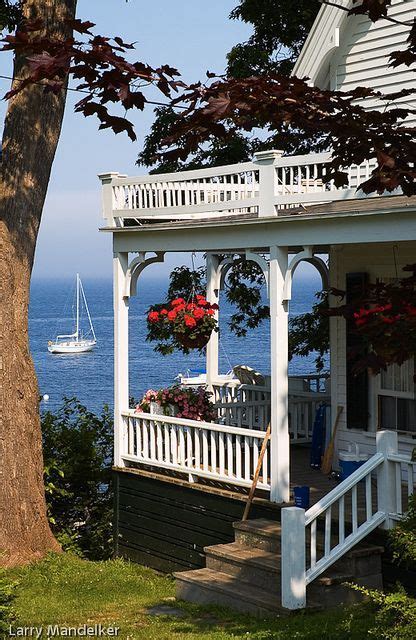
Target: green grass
x=65, y=590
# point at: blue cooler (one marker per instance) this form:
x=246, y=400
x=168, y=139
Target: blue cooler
x=301, y=497
x=350, y=461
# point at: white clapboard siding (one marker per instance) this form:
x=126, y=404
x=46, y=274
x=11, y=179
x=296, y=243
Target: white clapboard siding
x=379, y=262
x=362, y=59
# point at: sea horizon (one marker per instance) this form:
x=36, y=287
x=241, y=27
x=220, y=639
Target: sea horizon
x=89, y=376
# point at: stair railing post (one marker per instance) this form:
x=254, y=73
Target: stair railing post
x=387, y=444
x=267, y=160
x=293, y=558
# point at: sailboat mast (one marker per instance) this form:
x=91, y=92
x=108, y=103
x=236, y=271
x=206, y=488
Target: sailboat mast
x=77, y=326
x=88, y=311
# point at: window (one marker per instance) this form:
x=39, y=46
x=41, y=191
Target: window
x=396, y=398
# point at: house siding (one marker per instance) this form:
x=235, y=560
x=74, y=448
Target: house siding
x=379, y=261
x=362, y=59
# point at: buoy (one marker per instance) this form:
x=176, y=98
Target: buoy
x=46, y=397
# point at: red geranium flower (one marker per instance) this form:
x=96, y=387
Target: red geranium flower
x=190, y=321
x=198, y=313
x=172, y=314
x=175, y=303
x=153, y=316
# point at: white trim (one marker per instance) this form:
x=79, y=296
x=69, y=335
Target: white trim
x=323, y=39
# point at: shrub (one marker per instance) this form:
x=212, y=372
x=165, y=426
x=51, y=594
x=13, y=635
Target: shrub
x=403, y=537
x=395, y=614
x=7, y=596
x=78, y=447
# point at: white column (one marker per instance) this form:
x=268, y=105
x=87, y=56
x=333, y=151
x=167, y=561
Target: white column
x=121, y=355
x=213, y=285
x=293, y=558
x=267, y=161
x=279, y=440
x=387, y=443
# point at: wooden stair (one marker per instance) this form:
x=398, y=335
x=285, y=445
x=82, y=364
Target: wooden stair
x=245, y=575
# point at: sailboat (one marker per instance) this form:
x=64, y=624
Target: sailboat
x=76, y=342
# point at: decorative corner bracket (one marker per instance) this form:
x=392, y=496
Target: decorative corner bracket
x=264, y=266
x=307, y=256
x=136, y=266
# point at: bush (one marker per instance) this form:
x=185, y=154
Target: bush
x=395, y=614
x=78, y=449
x=7, y=595
x=403, y=537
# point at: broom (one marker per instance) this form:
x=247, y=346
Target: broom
x=256, y=475
x=328, y=456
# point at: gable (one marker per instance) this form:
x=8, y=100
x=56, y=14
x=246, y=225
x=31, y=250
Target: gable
x=344, y=51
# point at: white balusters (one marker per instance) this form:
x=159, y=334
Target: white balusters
x=198, y=448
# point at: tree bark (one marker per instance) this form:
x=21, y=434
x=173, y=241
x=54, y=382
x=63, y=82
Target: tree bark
x=31, y=133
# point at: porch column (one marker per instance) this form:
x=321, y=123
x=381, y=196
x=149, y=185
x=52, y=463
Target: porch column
x=279, y=440
x=213, y=292
x=121, y=354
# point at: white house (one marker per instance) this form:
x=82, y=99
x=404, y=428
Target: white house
x=179, y=480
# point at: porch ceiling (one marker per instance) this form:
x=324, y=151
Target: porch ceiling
x=372, y=220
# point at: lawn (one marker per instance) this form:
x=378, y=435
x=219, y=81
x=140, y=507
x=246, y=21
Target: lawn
x=66, y=590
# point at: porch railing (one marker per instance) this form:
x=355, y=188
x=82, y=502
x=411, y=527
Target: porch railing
x=310, y=541
x=249, y=405
x=199, y=449
x=267, y=185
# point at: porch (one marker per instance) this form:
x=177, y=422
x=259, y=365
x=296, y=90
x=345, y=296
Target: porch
x=276, y=212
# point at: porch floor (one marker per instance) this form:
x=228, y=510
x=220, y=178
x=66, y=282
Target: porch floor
x=301, y=474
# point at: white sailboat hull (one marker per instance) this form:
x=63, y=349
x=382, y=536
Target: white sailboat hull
x=80, y=346
x=75, y=342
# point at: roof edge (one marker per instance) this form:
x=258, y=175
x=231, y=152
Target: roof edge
x=323, y=38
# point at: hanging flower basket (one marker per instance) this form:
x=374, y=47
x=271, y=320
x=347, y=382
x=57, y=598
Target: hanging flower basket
x=178, y=401
x=383, y=317
x=182, y=325
x=198, y=342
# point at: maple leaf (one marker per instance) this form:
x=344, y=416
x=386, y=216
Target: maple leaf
x=375, y=9
x=80, y=26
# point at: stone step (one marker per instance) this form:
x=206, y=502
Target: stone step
x=363, y=559
x=245, y=575
x=207, y=586
x=261, y=568
x=248, y=564
x=260, y=534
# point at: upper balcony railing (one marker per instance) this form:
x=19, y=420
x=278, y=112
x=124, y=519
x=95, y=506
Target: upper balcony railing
x=264, y=187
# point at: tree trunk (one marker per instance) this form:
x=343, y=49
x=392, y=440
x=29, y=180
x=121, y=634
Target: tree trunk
x=31, y=133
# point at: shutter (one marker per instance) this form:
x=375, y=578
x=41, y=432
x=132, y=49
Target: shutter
x=357, y=384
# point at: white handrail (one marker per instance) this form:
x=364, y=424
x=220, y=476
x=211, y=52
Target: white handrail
x=185, y=422
x=342, y=489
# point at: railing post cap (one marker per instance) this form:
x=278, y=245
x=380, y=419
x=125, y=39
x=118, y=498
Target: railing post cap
x=267, y=157
x=297, y=511
x=108, y=177
x=386, y=437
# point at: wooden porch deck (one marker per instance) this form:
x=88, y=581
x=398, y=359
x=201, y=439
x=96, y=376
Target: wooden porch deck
x=301, y=474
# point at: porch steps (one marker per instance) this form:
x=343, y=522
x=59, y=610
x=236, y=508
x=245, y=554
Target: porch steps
x=245, y=575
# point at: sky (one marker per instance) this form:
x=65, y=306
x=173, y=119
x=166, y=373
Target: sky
x=191, y=35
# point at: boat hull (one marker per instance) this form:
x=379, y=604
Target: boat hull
x=70, y=348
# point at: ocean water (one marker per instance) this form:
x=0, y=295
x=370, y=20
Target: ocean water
x=89, y=376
